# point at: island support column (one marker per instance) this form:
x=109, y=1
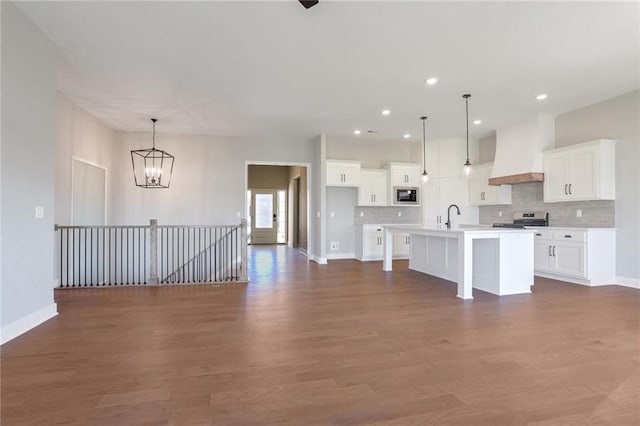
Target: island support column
x=465, y=266
x=387, y=260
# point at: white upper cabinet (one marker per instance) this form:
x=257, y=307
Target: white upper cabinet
x=483, y=194
x=404, y=175
x=373, y=187
x=580, y=172
x=343, y=173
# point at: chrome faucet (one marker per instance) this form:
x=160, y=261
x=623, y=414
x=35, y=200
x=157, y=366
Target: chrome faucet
x=448, y=223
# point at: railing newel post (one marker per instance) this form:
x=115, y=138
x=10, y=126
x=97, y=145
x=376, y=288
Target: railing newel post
x=153, y=251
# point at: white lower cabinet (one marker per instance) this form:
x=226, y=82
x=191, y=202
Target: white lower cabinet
x=583, y=256
x=370, y=243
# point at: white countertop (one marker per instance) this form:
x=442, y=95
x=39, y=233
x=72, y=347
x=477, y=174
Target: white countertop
x=456, y=230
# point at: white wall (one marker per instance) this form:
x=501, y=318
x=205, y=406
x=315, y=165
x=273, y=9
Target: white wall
x=27, y=173
x=617, y=118
x=208, y=182
x=81, y=135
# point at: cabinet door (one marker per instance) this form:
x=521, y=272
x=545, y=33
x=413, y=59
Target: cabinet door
x=351, y=175
x=556, y=177
x=431, y=204
x=414, y=176
x=334, y=174
x=568, y=258
x=478, y=185
x=366, y=188
x=542, y=252
x=582, y=176
x=401, y=244
x=343, y=174
x=379, y=189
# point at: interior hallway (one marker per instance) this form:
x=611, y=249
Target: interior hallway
x=343, y=343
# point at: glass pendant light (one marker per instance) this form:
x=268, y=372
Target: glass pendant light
x=467, y=164
x=425, y=175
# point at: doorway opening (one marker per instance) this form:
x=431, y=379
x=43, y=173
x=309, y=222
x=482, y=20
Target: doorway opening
x=277, y=205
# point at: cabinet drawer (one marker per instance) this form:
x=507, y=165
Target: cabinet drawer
x=543, y=234
x=570, y=235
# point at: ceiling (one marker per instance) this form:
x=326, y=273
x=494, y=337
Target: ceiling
x=247, y=68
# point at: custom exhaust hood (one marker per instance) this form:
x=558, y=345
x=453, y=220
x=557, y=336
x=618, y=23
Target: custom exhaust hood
x=519, y=149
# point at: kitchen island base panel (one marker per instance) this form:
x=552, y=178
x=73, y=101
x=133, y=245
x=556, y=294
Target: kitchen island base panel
x=496, y=262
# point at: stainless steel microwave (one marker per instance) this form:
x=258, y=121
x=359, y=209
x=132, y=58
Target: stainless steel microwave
x=404, y=195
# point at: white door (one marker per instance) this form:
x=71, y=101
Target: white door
x=88, y=194
x=264, y=217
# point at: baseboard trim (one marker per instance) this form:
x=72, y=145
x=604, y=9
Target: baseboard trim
x=24, y=324
x=338, y=256
x=320, y=260
x=628, y=282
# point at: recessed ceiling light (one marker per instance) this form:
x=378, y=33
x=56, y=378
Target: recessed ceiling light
x=406, y=136
x=386, y=112
x=541, y=97
x=477, y=122
x=431, y=81
x=356, y=132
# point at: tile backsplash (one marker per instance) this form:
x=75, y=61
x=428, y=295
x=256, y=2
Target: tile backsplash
x=383, y=215
x=528, y=197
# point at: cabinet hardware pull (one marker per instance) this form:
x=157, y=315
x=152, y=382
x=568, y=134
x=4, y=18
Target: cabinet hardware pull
x=554, y=251
x=565, y=189
x=538, y=235
x=570, y=193
x=550, y=248
x=567, y=236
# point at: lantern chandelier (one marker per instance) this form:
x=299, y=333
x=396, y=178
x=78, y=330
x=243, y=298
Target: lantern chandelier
x=152, y=168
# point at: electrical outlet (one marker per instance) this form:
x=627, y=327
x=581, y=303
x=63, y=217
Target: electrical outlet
x=578, y=213
x=39, y=212
x=500, y=213
x=332, y=214
x=361, y=214
x=399, y=214
x=335, y=245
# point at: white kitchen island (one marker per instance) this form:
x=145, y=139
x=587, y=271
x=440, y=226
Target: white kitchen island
x=495, y=260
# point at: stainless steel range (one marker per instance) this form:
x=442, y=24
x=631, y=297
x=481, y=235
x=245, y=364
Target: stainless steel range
x=524, y=219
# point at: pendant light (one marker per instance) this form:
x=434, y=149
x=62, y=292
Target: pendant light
x=467, y=164
x=152, y=168
x=425, y=175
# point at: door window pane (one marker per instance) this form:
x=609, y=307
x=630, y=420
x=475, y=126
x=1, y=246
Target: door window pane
x=264, y=211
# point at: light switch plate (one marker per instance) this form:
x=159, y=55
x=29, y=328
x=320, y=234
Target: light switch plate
x=399, y=214
x=361, y=214
x=238, y=214
x=578, y=213
x=39, y=212
x=500, y=213
x=318, y=214
x=332, y=214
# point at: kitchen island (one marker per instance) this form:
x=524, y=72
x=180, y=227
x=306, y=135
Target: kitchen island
x=495, y=260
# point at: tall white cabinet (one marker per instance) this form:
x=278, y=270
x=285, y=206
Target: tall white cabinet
x=446, y=185
x=580, y=172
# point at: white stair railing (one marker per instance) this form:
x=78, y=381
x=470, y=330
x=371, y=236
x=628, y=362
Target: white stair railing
x=96, y=256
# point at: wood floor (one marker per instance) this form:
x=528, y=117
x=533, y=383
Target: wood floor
x=342, y=344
